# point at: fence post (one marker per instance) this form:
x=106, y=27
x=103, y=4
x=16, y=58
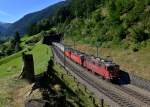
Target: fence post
x=102, y=102
x=28, y=68
x=85, y=88
x=62, y=76
x=78, y=84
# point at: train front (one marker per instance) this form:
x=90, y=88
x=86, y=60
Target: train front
x=114, y=71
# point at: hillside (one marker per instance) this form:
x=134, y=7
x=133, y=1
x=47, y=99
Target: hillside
x=113, y=22
x=3, y=29
x=120, y=29
x=24, y=23
x=103, y=23
x=5, y=25
x=2, y=33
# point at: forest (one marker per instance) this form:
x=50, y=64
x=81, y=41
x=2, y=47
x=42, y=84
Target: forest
x=104, y=21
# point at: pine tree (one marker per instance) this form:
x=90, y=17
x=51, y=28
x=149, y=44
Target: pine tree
x=17, y=41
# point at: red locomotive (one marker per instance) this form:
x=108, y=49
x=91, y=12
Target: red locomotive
x=68, y=52
x=77, y=57
x=105, y=68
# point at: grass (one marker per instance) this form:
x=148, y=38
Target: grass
x=9, y=58
x=79, y=90
x=11, y=90
x=10, y=68
x=28, y=38
x=10, y=65
x=9, y=86
x=13, y=64
x=41, y=54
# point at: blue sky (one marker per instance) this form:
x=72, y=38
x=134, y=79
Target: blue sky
x=12, y=10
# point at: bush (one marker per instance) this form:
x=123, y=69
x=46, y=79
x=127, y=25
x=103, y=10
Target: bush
x=135, y=47
x=126, y=46
x=143, y=44
x=106, y=44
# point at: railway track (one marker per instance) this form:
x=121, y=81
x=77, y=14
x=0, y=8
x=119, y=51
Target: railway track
x=123, y=96
x=138, y=96
x=139, y=82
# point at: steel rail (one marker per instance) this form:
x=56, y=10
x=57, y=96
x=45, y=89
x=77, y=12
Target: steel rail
x=122, y=101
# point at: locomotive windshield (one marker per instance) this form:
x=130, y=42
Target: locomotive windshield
x=110, y=68
x=113, y=68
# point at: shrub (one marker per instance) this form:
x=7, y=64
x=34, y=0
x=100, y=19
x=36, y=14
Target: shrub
x=143, y=44
x=106, y=44
x=135, y=47
x=126, y=46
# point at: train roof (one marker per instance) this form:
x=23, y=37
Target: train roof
x=107, y=62
x=101, y=61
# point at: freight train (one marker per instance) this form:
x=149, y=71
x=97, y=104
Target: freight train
x=105, y=68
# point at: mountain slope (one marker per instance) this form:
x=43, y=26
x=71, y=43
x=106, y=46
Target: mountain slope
x=22, y=25
x=5, y=25
x=2, y=29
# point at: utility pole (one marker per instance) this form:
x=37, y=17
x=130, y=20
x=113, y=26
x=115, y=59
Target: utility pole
x=64, y=56
x=74, y=44
x=87, y=14
x=97, y=47
x=76, y=14
x=76, y=26
x=64, y=51
x=59, y=22
x=97, y=50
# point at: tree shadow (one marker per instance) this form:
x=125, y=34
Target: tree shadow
x=44, y=82
x=49, y=77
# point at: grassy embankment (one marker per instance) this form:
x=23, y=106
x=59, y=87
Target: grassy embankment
x=10, y=68
x=84, y=95
x=133, y=62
